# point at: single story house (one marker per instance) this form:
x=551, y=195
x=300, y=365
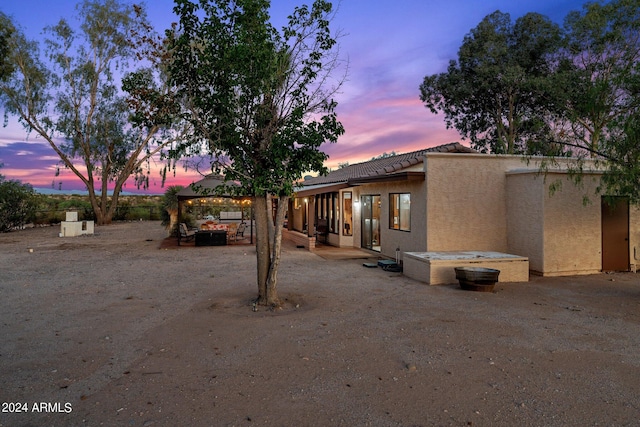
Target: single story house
x=452, y=199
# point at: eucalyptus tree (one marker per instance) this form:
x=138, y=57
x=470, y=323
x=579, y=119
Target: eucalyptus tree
x=599, y=74
x=598, y=96
x=261, y=103
x=96, y=96
x=495, y=93
x=7, y=29
x=622, y=156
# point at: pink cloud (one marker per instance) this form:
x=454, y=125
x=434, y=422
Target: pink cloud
x=385, y=124
x=35, y=163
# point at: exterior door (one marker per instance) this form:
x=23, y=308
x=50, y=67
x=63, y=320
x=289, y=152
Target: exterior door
x=371, y=222
x=615, y=235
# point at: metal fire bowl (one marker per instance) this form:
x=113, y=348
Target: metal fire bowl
x=477, y=278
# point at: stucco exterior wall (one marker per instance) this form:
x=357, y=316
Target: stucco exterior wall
x=525, y=225
x=466, y=201
x=296, y=216
x=558, y=232
x=390, y=239
x=478, y=202
x=572, y=228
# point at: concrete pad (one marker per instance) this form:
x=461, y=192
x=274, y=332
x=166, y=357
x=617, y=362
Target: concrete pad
x=436, y=268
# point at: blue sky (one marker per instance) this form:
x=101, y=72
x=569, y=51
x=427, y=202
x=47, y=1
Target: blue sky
x=390, y=45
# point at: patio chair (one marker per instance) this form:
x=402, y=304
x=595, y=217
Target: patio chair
x=322, y=230
x=232, y=232
x=185, y=233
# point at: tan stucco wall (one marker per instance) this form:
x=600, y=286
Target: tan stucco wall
x=296, y=216
x=559, y=232
x=466, y=208
x=474, y=202
x=525, y=227
x=572, y=228
x=392, y=239
x=480, y=202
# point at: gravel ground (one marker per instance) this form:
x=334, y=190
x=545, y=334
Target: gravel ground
x=117, y=329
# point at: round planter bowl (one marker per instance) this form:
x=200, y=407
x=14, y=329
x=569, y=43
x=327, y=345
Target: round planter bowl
x=477, y=278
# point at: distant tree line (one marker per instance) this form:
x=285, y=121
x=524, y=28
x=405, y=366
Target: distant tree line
x=21, y=205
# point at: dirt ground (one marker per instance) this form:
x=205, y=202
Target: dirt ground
x=116, y=329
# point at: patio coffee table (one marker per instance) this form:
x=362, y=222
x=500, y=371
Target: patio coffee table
x=211, y=238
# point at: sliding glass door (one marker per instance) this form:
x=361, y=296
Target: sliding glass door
x=371, y=222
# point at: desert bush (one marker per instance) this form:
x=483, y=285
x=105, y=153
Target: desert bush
x=18, y=204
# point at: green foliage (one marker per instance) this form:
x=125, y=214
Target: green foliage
x=7, y=30
x=530, y=89
x=18, y=203
x=71, y=93
x=260, y=102
x=170, y=197
x=80, y=205
x=598, y=102
x=170, y=203
x=255, y=94
x=495, y=94
x=52, y=209
x=623, y=174
x=599, y=75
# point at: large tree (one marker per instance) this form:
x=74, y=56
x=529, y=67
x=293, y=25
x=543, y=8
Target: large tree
x=261, y=103
x=103, y=129
x=622, y=156
x=494, y=94
x=599, y=72
x=598, y=96
x=7, y=29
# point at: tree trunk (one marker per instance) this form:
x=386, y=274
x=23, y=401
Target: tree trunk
x=262, y=247
x=95, y=205
x=270, y=221
x=106, y=217
x=173, y=220
x=276, y=250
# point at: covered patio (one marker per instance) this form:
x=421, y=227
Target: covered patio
x=218, y=215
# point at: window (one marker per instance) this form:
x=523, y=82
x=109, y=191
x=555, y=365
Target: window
x=347, y=214
x=400, y=211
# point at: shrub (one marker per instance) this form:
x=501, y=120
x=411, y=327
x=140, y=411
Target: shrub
x=18, y=203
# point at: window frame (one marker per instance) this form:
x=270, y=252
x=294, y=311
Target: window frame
x=399, y=217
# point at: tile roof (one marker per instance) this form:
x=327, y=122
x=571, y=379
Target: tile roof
x=385, y=165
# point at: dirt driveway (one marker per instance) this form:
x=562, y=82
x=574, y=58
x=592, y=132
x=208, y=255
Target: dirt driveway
x=112, y=330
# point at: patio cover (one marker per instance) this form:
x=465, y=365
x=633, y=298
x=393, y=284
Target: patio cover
x=208, y=185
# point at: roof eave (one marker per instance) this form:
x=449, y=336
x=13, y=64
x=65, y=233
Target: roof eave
x=395, y=177
x=320, y=189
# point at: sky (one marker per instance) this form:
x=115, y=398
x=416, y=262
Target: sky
x=390, y=45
